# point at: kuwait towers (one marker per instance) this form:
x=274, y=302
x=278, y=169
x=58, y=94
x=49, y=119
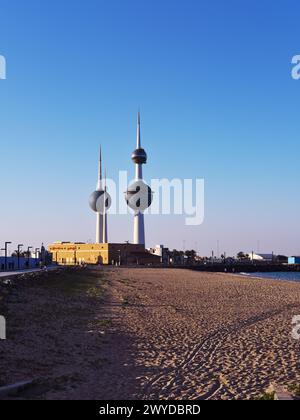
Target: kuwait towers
x=139, y=195
x=99, y=203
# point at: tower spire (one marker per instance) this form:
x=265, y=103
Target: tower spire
x=139, y=131
x=99, y=186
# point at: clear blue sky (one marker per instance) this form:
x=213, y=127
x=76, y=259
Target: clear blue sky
x=213, y=82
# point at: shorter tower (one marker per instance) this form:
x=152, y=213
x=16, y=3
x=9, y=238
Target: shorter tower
x=100, y=202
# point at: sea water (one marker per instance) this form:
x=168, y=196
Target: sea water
x=282, y=275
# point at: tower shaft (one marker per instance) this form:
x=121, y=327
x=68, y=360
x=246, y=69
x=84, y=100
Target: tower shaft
x=139, y=229
x=99, y=228
x=105, y=233
x=138, y=171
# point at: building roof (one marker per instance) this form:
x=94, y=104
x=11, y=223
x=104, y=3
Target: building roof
x=266, y=256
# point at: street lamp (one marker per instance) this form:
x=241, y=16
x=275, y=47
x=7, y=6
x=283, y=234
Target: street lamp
x=2, y=249
x=5, y=249
x=28, y=254
x=19, y=249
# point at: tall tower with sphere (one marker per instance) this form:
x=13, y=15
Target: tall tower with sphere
x=99, y=203
x=139, y=195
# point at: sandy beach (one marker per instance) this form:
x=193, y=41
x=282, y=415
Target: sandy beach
x=148, y=334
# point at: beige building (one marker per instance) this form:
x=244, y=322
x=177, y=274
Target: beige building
x=67, y=253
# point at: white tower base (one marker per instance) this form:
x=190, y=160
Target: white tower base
x=139, y=229
x=99, y=229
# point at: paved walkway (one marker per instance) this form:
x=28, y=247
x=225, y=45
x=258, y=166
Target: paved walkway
x=17, y=273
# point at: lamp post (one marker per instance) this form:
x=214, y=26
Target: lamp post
x=28, y=255
x=2, y=249
x=5, y=255
x=19, y=249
